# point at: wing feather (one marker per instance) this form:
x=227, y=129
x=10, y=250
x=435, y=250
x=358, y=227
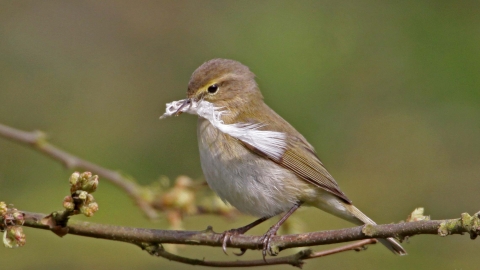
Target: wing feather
x=309, y=167
x=298, y=155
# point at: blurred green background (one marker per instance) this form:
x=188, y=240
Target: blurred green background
x=388, y=92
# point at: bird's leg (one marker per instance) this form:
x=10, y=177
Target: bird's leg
x=227, y=234
x=273, y=230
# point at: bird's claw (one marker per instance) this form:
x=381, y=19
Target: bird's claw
x=267, y=248
x=226, y=237
x=242, y=251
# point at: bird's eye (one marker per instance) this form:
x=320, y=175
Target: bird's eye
x=212, y=89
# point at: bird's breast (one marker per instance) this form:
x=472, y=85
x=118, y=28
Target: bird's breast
x=251, y=183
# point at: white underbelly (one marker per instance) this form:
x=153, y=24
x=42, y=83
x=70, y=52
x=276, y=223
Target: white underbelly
x=252, y=184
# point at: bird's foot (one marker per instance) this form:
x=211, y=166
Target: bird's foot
x=226, y=235
x=238, y=231
x=266, y=242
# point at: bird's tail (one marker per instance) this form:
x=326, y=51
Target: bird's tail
x=390, y=243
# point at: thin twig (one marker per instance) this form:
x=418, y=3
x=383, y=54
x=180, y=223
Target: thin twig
x=38, y=141
x=294, y=260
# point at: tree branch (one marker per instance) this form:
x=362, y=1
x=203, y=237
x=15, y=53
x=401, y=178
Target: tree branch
x=151, y=239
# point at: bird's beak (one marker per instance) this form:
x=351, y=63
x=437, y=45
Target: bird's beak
x=186, y=102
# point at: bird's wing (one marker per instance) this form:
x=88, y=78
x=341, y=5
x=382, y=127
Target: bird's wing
x=300, y=158
x=297, y=154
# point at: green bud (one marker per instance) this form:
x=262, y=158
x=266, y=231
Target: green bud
x=19, y=217
x=84, y=177
x=74, y=178
x=89, y=209
x=68, y=203
x=89, y=199
x=90, y=184
x=82, y=195
x=14, y=237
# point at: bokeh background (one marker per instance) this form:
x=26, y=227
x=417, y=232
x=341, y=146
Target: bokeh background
x=388, y=93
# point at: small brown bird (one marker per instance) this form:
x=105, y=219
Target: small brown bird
x=254, y=159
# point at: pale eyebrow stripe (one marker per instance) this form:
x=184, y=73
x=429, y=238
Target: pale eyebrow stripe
x=223, y=78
